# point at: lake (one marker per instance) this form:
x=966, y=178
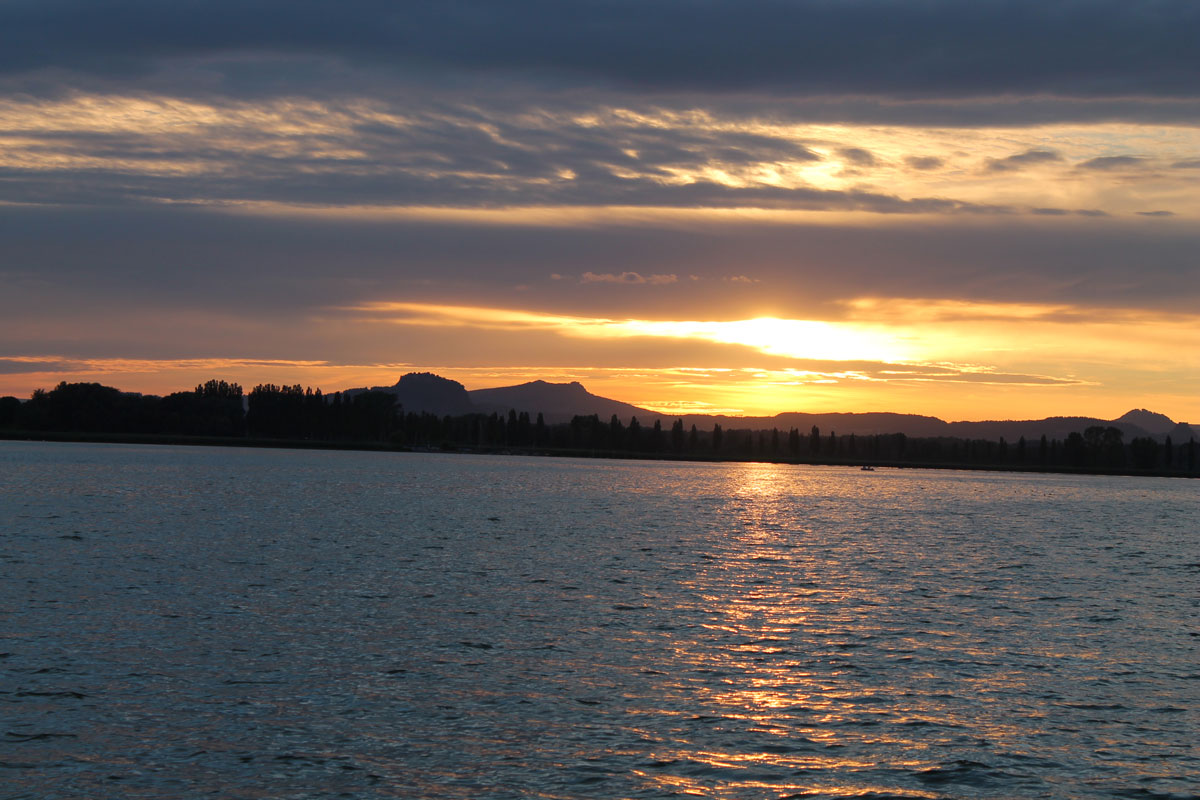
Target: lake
x=242, y=623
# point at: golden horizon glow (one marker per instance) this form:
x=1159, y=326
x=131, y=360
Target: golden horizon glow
x=793, y=338
x=953, y=359
x=669, y=391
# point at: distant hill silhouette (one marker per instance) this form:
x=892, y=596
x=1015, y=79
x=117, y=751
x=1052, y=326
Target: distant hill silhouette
x=1147, y=421
x=864, y=424
x=424, y=392
x=1182, y=432
x=558, y=402
x=1051, y=428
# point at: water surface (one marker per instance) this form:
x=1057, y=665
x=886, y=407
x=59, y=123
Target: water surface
x=187, y=622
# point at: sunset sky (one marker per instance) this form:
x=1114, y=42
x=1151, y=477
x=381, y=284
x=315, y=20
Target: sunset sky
x=975, y=210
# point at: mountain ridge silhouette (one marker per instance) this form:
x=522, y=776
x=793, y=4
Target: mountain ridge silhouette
x=426, y=392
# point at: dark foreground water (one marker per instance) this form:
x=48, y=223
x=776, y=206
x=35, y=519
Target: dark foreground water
x=192, y=622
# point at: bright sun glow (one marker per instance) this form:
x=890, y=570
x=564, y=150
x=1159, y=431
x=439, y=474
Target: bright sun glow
x=791, y=338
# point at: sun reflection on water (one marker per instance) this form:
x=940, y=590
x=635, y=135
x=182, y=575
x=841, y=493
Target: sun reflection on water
x=795, y=625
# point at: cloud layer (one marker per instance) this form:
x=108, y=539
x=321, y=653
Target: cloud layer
x=941, y=48
x=215, y=182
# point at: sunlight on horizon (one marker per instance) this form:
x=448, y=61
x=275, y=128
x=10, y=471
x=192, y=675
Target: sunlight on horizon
x=948, y=358
x=792, y=338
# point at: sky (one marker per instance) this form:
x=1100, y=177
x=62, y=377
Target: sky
x=974, y=210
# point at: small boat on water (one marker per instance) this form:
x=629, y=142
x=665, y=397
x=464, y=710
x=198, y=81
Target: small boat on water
x=867, y=468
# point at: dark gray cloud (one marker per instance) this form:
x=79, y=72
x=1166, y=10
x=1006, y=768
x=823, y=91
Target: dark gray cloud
x=85, y=261
x=1019, y=161
x=1112, y=162
x=924, y=162
x=10, y=366
x=1190, y=164
x=933, y=49
x=858, y=156
x=597, y=187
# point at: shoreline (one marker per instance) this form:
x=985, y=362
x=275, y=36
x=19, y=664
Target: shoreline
x=548, y=452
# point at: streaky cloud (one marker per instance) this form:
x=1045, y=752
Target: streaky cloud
x=1112, y=162
x=628, y=278
x=1022, y=160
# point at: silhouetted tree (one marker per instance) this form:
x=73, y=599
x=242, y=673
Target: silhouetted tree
x=86, y=408
x=634, y=436
x=1144, y=451
x=10, y=410
x=1075, y=449
x=616, y=433
x=511, y=427
x=677, y=436
x=1103, y=446
x=213, y=409
x=374, y=419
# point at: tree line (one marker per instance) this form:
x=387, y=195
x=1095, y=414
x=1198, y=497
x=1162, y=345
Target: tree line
x=270, y=413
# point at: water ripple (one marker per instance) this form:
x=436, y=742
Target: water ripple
x=243, y=623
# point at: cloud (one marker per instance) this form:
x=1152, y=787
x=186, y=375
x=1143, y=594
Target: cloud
x=106, y=151
x=1022, y=160
x=940, y=48
x=1159, y=213
x=1111, y=162
x=63, y=265
x=18, y=365
x=858, y=156
x=117, y=366
x=137, y=150
x=627, y=277
x=1190, y=164
x=924, y=162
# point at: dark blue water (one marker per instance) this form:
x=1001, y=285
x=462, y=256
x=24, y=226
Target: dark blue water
x=203, y=622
